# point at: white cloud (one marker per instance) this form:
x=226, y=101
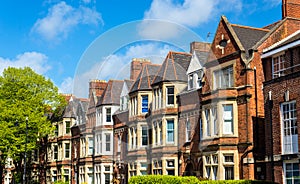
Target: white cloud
x=62, y=18
x=37, y=61
x=66, y=86
x=190, y=13
x=117, y=66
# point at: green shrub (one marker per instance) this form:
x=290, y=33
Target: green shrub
x=236, y=182
x=61, y=182
x=164, y=179
x=161, y=179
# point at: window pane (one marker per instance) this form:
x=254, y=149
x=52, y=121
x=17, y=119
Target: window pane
x=67, y=127
x=108, y=115
x=227, y=119
x=144, y=135
x=170, y=130
x=170, y=95
x=107, y=139
x=229, y=175
x=144, y=103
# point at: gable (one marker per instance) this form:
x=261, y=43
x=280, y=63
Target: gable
x=125, y=90
x=225, y=41
x=194, y=64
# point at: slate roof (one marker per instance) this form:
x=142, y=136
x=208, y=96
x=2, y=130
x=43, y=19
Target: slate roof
x=129, y=83
x=73, y=106
x=145, y=78
x=174, y=67
x=248, y=36
x=111, y=94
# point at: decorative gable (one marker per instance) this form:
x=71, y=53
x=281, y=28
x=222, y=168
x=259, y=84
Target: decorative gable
x=225, y=42
x=195, y=64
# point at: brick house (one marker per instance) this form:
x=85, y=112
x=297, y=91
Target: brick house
x=59, y=146
x=103, y=132
x=120, y=119
x=282, y=95
x=189, y=113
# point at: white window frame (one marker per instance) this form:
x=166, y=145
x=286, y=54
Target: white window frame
x=224, y=78
x=292, y=171
x=65, y=151
x=191, y=81
x=226, y=119
x=108, y=142
x=167, y=96
x=280, y=65
x=108, y=117
x=292, y=130
x=188, y=131
x=228, y=164
x=91, y=146
x=144, y=136
x=170, y=130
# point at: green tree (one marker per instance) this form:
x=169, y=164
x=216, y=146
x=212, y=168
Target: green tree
x=24, y=96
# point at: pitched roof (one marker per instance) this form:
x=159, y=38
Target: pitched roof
x=174, y=67
x=145, y=78
x=111, y=94
x=197, y=60
x=74, y=103
x=249, y=36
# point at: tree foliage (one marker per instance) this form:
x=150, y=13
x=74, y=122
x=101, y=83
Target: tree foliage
x=25, y=94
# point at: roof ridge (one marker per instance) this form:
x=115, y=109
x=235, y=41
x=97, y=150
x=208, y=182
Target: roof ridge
x=178, y=52
x=116, y=80
x=111, y=91
x=167, y=60
x=174, y=68
x=148, y=77
x=232, y=32
x=250, y=27
x=141, y=77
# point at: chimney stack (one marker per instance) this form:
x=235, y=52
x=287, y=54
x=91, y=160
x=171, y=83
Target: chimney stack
x=291, y=8
x=97, y=87
x=136, y=67
x=199, y=46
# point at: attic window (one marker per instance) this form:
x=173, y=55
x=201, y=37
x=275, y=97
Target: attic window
x=223, y=43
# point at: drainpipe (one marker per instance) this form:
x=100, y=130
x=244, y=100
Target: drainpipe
x=247, y=60
x=271, y=135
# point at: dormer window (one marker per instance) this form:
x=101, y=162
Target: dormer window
x=194, y=80
x=191, y=81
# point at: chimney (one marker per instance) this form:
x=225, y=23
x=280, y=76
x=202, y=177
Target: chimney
x=199, y=46
x=97, y=87
x=291, y=8
x=136, y=67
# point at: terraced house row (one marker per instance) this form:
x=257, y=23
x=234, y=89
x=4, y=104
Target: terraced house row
x=225, y=110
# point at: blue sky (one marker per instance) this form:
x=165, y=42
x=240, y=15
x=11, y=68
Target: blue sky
x=74, y=41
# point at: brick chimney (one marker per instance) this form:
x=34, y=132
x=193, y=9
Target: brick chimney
x=136, y=67
x=291, y=8
x=200, y=46
x=97, y=87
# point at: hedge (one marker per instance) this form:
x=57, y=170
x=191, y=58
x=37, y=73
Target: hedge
x=150, y=179
x=164, y=179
